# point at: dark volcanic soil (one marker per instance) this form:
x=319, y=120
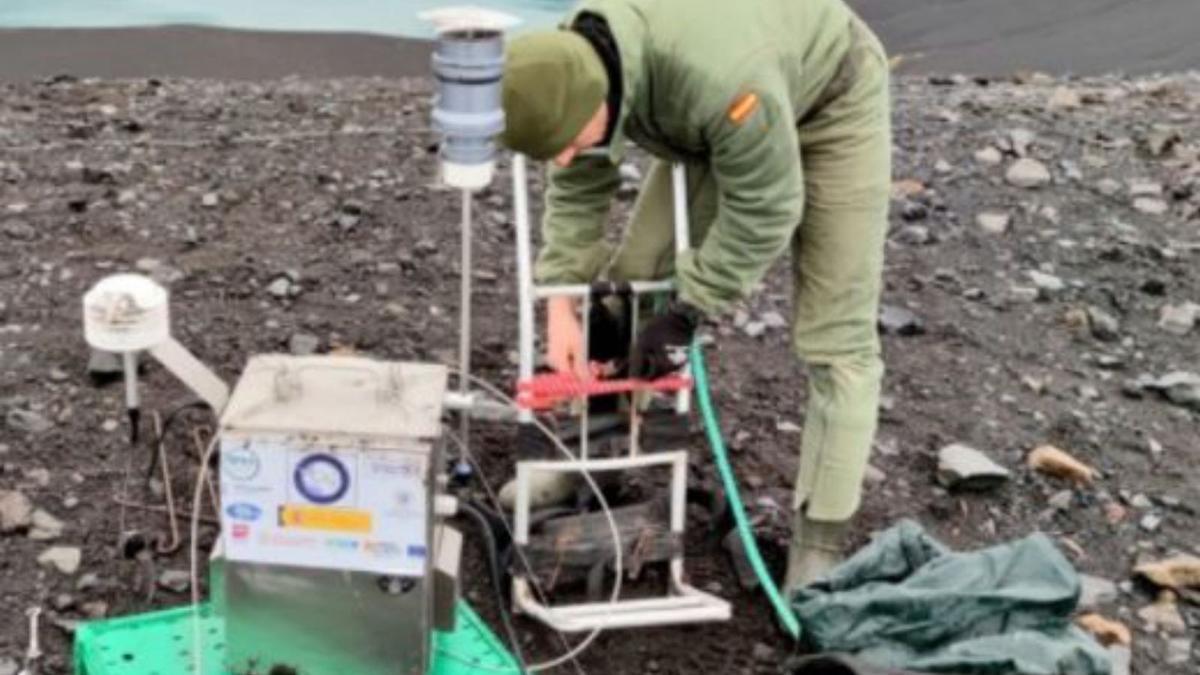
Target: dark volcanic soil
x=219, y=190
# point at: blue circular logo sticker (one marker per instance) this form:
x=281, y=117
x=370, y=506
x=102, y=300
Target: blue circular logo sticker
x=321, y=478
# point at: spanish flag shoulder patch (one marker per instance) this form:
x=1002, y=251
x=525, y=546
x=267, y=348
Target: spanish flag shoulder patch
x=743, y=107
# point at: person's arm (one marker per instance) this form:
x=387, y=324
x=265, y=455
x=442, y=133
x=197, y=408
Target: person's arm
x=755, y=158
x=577, y=204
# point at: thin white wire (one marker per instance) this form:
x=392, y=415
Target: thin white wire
x=193, y=554
x=612, y=523
x=495, y=500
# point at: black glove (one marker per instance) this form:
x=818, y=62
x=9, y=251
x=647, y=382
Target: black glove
x=662, y=345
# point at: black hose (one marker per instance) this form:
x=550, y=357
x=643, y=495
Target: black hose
x=478, y=514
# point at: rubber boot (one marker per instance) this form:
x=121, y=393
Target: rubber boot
x=816, y=548
x=546, y=488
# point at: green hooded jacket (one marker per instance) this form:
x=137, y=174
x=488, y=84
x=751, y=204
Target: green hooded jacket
x=704, y=81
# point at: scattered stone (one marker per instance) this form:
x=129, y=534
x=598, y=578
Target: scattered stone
x=1179, y=319
x=27, y=421
x=943, y=167
x=176, y=581
x=914, y=235
x=1145, y=188
x=45, y=527
x=19, y=230
x=1027, y=173
x=65, y=559
x=763, y=653
x=963, y=467
x=913, y=211
x=1061, y=500
x=1064, y=98
x=906, y=188
x=1107, y=631
x=16, y=511
x=1020, y=140
x=1096, y=591
x=39, y=475
x=281, y=287
x=1141, y=502
x=87, y=582
x=95, y=610
x=1179, y=651
x=895, y=320
x=1164, y=615
x=993, y=222
x=787, y=427
x=1024, y=293
x=754, y=329
x=1150, y=522
x=1055, y=462
x=1179, y=572
x=1179, y=387
x=989, y=156
x=63, y=602
x=1047, y=284
x=774, y=319
x=1150, y=206
x=303, y=344
x=874, y=475
x=1104, y=326
x=1108, y=187
x=9, y=666
x=210, y=200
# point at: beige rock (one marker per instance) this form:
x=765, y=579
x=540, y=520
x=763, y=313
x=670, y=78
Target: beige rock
x=1107, y=631
x=1055, y=462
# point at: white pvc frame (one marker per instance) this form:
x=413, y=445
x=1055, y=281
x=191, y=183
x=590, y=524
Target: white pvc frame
x=685, y=603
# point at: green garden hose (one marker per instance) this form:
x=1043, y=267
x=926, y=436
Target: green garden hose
x=712, y=429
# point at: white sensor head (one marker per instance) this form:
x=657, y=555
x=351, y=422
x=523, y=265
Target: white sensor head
x=126, y=313
x=447, y=19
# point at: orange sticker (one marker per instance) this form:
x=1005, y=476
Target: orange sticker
x=324, y=518
x=743, y=107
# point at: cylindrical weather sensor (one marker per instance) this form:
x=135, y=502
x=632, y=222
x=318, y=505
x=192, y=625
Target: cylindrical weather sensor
x=126, y=313
x=468, y=63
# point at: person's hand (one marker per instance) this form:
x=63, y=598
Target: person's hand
x=662, y=345
x=564, y=338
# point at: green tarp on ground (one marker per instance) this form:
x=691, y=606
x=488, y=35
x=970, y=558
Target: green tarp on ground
x=906, y=601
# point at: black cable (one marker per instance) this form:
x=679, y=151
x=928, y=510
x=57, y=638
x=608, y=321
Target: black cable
x=493, y=558
x=155, y=449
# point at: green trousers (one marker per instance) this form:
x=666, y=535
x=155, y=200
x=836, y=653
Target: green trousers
x=837, y=261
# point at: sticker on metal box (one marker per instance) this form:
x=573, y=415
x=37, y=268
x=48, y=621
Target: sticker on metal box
x=324, y=506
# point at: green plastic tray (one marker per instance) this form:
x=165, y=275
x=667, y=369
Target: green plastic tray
x=160, y=643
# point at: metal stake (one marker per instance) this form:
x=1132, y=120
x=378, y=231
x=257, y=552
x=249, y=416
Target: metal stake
x=464, y=337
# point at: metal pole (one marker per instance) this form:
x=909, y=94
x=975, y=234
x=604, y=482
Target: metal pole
x=464, y=336
x=683, y=400
x=524, y=277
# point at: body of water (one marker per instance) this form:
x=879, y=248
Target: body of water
x=385, y=17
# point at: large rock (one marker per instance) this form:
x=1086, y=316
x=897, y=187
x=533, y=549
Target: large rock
x=993, y=222
x=1047, y=285
x=1164, y=615
x=1096, y=591
x=1104, y=326
x=27, y=421
x=45, y=527
x=16, y=511
x=1027, y=173
x=964, y=467
x=65, y=559
x=1179, y=387
x=895, y=320
x=1179, y=319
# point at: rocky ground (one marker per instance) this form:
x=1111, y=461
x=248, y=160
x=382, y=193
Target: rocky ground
x=1040, y=289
